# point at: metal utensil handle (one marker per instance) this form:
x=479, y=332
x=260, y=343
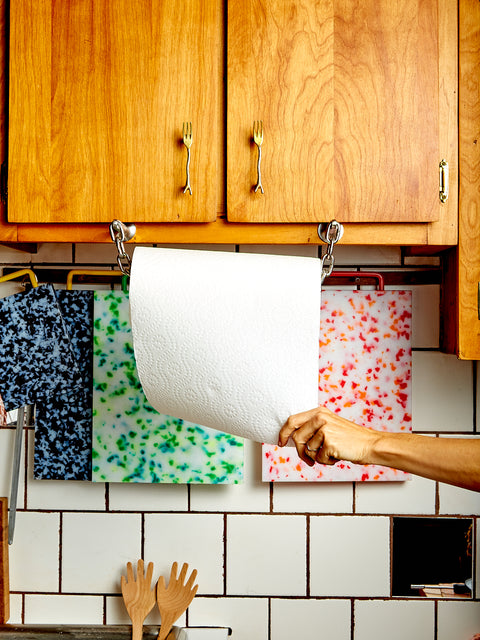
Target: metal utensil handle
x=187, y=185
x=17, y=453
x=259, y=171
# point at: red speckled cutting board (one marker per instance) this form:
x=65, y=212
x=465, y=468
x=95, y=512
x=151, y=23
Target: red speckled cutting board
x=364, y=375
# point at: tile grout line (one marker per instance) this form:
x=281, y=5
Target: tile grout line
x=224, y=554
x=352, y=619
x=60, y=552
x=307, y=556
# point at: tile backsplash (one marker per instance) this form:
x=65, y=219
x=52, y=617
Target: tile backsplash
x=275, y=561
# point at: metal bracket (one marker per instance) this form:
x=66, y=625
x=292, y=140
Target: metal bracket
x=120, y=233
x=330, y=233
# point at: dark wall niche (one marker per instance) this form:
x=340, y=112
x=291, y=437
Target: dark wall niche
x=432, y=551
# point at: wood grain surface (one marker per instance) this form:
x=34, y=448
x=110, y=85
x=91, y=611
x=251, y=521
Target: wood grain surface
x=98, y=95
x=469, y=164
x=4, y=575
x=348, y=93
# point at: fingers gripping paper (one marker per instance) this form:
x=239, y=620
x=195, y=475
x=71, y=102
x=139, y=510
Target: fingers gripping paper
x=227, y=340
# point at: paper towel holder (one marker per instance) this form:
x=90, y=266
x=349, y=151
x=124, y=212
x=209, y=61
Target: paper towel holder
x=120, y=233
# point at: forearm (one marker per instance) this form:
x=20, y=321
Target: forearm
x=452, y=460
x=325, y=437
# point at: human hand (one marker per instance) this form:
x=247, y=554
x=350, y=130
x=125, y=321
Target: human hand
x=322, y=436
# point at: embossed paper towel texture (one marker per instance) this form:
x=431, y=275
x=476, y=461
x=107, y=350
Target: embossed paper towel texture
x=227, y=340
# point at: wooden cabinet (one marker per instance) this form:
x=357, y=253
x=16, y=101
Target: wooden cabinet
x=461, y=290
x=358, y=102
x=349, y=97
x=99, y=92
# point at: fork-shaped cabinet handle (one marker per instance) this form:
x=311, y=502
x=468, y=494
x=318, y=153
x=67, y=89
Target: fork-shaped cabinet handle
x=187, y=141
x=258, y=139
x=259, y=171
x=187, y=185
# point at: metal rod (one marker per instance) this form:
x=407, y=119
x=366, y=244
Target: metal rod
x=17, y=453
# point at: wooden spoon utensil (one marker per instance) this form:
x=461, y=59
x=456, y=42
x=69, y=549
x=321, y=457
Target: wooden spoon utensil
x=138, y=596
x=174, y=599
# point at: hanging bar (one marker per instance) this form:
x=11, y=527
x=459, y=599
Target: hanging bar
x=358, y=275
x=18, y=274
x=91, y=272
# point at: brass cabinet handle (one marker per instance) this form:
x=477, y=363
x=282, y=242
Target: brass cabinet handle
x=444, y=180
x=258, y=139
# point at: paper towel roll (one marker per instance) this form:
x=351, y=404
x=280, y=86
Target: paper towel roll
x=227, y=340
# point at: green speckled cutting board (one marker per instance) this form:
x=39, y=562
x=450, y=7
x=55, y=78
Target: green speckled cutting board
x=132, y=442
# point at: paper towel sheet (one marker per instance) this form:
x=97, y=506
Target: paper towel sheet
x=227, y=340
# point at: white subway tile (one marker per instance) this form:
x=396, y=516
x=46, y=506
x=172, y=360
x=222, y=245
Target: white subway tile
x=200, y=247
x=349, y=556
x=313, y=497
x=87, y=253
x=422, y=261
x=128, y=496
x=60, y=609
x=16, y=607
x=310, y=619
x=310, y=251
x=65, y=494
x=107, y=253
x=415, y=496
x=247, y=617
x=442, y=392
x=458, y=620
x=61, y=494
x=250, y=496
x=46, y=252
x=362, y=255
x=95, y=550
x=202, y=633
x=7, y=441
x=116, y=613
x=425, y=313
x=34, y=553
x=195, y=539
x=395, y=620
x=10, y=288
x=11, y=256
x=457, y=501
x=53, y=252
x=266, y=555
x=425, y=316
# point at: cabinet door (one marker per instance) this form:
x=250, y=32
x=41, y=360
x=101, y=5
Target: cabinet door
x=99, y=91
x=348, y=95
